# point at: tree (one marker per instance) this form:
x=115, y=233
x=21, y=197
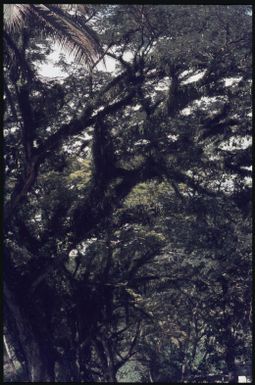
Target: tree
x=127, y=203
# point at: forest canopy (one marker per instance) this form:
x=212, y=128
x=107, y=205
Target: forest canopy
x=127, y=194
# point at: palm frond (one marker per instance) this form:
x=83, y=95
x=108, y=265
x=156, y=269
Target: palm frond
x=74, y=8
x=79, y=40
x=15, y=16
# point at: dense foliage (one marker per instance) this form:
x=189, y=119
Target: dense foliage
x=128, y=197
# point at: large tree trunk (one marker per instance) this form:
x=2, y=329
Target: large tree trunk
x=228, y=338
x=230, y=353
x=8, y=355
x=230, y=361
x=66, y=369
x=106, y=359
x=38, y=364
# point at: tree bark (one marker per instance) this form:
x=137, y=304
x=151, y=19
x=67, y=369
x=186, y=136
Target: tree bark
x=37, y=363
x=8, y=355
x=230, y=361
